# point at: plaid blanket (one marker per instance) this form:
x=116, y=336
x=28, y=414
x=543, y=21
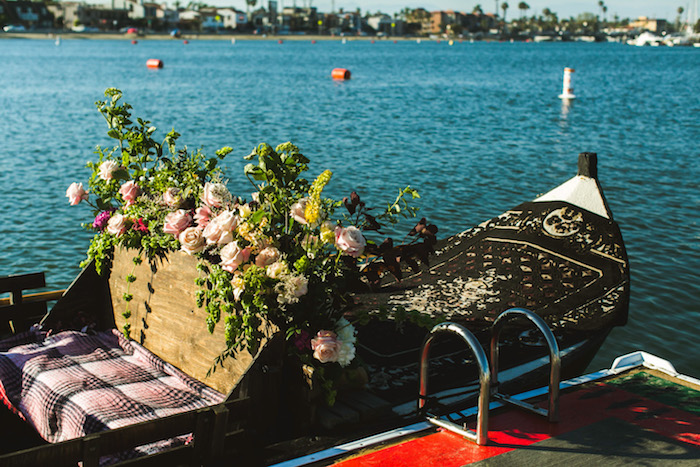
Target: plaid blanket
x=71, y=384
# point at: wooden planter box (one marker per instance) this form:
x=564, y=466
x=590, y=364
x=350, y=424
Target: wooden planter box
x=166, y=320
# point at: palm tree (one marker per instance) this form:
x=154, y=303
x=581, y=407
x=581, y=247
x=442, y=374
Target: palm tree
x=546, y=12
x=248, y=4
x=523, y=7
x=477, y=10
x=678, y=20
x=504, y=7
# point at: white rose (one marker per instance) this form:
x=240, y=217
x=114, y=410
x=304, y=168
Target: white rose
x=107, y=169
x=350, y=240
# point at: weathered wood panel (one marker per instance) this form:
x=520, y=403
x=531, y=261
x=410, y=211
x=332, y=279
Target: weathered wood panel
x=166, y=320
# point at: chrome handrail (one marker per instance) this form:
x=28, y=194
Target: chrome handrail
x=552, y=413
x=481, y=435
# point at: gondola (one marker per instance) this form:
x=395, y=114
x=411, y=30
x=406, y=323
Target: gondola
x=560, y=256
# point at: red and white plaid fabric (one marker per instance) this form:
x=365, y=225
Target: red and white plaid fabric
x=71, y=384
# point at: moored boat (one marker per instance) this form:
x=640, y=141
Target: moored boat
x=560, y=256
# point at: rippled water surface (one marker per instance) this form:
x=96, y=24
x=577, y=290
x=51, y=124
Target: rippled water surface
x=477, y=128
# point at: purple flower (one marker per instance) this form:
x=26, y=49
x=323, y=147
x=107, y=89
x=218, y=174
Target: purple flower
x=101, y=220
x=303, y=341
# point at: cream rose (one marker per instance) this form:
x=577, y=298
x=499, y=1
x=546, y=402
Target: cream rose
x=191, y=240
x=76, y=193
x=326, y=346
x=220, y=229
x=129, y=191
x=267, y=256
x=232, y=256
x=297, y=211
x=177, y=221
x=107, y=169
x=215, y=194
x=350, y=240
x=117, y=224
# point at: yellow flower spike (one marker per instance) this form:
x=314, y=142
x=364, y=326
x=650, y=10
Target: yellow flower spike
x=327, y=232
x=312, y=212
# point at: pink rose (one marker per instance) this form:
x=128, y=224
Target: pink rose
x=350, y=240
x=177, y=221
x=107, y=169
x=326, y=346
x=267, y=256
x=297, y=211
x=191, y=240
x=117, y=224
x=215, y=194
x=76, y=193
x=233, y=256
x=202, y=216
x=129, y=191
x=172, y=198
x=220, y=229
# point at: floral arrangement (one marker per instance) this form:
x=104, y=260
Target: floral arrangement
x=288, y=255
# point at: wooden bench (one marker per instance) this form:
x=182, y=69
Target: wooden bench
x=166, y=321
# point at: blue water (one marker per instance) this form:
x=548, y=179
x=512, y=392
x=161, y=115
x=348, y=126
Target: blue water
x=477, y=128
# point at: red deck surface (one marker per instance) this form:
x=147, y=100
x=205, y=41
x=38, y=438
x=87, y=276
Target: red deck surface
x=514, y=429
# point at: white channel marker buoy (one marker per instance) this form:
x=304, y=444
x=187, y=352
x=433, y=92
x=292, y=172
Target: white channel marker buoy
x=567, y=90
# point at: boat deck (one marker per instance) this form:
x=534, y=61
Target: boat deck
x=640, y=416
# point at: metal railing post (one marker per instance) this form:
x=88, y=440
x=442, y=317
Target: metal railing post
x=552, y=412
x=481, y=434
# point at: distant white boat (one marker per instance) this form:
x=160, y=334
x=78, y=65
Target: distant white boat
x=646, y=38
x=674, y=40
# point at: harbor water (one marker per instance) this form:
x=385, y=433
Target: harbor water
x=477, y=128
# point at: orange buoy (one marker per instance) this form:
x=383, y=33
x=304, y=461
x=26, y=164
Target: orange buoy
x=154, y=63
x=134, y=41
x=340, y=73
x=185, y=41
x=280, y=41
x=313, y=41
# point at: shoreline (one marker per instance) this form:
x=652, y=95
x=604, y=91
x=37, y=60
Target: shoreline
x=196, y=36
